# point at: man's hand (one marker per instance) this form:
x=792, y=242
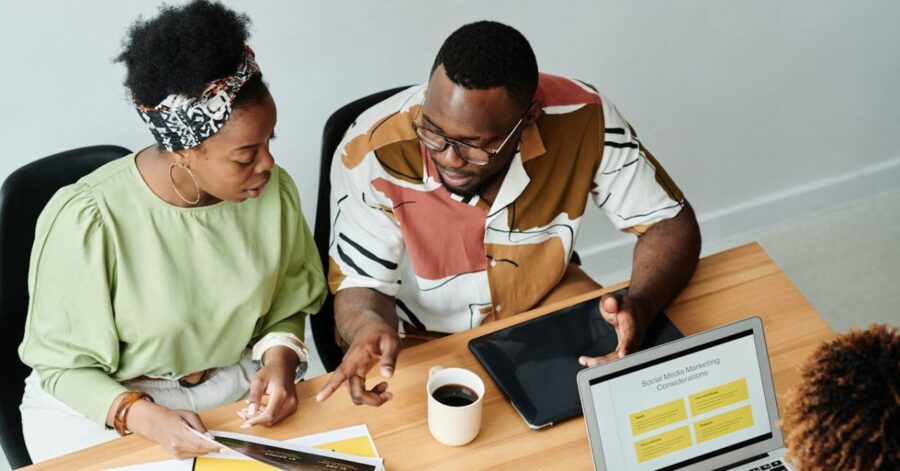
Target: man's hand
x=276, y=380
x=374, y=343
x=664, y=260
x=630, y=318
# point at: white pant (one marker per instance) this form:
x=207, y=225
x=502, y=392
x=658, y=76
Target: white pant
x=51, y=428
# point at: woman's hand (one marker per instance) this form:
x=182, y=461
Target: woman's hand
x=171, y=429
x=276, y=380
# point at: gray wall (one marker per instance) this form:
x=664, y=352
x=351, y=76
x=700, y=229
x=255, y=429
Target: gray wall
x=759, y=110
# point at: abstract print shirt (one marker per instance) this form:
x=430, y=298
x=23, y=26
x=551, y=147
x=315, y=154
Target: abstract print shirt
x=453, y=262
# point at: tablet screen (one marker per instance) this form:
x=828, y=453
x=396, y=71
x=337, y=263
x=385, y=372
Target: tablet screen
x=535, y=363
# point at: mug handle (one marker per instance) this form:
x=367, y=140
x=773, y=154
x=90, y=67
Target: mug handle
x=434, y=369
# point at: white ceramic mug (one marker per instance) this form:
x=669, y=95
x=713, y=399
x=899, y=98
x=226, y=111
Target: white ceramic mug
x=453, y=425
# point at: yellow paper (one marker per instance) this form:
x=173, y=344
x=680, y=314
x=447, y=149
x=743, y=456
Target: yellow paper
x=659, y=416
x=229, y=464
x=663, y=444
x=359, y=446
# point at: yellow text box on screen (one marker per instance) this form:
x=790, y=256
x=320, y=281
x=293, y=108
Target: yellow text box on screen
x=723, y=424
x=663, y=444
x=658, y=416
x=719, y=396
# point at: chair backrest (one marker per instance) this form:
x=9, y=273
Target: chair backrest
x=335, y=127
x=22, y=198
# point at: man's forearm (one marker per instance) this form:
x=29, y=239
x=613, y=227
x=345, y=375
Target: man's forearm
x=355, y=308
x=665, y=258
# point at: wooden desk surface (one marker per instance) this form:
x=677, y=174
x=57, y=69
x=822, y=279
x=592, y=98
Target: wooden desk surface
x=729, y=286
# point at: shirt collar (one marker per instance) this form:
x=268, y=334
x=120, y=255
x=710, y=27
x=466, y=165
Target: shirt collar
x=531, y=145
x=514, y=183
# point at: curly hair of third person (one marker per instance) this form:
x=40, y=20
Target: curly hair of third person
x=846, y=412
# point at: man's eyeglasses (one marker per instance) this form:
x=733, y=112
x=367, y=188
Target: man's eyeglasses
x=475, y=155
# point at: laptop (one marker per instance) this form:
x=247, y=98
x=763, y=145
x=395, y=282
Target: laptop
x=701, y=402
x=535, y=362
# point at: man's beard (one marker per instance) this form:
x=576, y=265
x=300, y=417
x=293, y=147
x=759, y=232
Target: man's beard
x=479, y=188
x=476, y=190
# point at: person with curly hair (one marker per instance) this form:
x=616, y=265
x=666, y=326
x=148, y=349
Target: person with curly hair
x=176, y=279
x=846, y=412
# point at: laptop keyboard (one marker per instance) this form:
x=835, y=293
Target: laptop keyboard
x=775, y=465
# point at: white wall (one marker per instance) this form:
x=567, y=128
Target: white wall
x=759, y=110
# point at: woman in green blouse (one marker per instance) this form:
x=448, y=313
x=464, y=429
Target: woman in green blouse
x=156, y=280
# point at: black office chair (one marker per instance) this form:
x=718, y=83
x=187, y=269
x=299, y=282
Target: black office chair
x=335, y=127
x=22, y=198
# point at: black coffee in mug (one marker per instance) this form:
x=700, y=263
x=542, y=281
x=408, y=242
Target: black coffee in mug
x=455, y=395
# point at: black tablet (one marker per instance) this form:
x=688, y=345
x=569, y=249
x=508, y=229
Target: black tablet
x=535, y=363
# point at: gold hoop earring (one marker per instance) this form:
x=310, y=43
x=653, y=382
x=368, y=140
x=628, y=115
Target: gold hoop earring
x=175, y=187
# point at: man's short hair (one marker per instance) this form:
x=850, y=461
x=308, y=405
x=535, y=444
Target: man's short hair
x=846, y=412
x=487, y=54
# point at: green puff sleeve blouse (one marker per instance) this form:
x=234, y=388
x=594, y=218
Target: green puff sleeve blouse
x=123, y=284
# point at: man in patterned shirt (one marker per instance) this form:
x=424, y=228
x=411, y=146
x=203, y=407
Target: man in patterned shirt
x=459, y=203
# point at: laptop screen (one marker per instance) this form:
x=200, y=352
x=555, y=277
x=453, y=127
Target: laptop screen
x=682, y=408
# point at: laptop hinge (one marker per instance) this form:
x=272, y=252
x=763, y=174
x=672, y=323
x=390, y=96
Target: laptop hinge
x=748, y=460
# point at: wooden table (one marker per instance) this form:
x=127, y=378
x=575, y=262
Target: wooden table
x=729, y=286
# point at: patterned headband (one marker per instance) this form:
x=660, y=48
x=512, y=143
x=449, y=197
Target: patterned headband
x=179, y=122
